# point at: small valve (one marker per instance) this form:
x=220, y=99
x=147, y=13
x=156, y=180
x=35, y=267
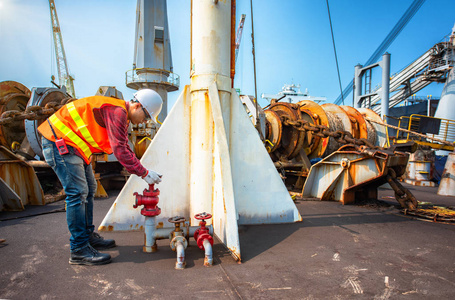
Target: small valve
x=202, y=232
x=178, y=241
x=150, y=201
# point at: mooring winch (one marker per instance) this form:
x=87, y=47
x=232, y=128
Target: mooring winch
x=304, y=132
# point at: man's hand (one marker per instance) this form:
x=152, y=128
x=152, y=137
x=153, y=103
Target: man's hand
x=152, y=177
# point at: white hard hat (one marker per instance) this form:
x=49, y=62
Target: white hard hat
x=151, y=101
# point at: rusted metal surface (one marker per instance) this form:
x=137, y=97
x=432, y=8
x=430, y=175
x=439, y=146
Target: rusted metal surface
x=374, y=120
x=447, y=184
x=359, y=126
x=315, y=132
x=21, y=178
x=288, y=139
x=13, y=100
x=315, y=114
x=433, y=213
x=354, y=172
x=274, y=130
x=215, y=160
x=9, y=200
x=43, y=103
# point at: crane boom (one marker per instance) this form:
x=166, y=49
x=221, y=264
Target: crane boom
x=62, y=66
x=238, y=36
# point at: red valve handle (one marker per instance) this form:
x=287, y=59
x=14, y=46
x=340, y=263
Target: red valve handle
x=202, y=216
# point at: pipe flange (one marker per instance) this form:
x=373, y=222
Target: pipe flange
x=201, y=238
x=178, y=238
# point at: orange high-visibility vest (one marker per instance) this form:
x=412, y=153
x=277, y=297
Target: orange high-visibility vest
x=75, y=123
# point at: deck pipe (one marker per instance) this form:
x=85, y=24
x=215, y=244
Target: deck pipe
x=208, y=260
x=180, y=264
x=150, y=235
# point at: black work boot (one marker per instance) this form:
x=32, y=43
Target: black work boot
x=89, y=256
x=99, y=243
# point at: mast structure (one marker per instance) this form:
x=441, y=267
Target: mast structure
x=62, y=66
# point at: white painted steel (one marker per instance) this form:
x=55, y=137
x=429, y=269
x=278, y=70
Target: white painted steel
x=9, y=200
x=446, y=108
x=225, y=216
x=150, y=233
x=208, y=150
x=260, y=194
x=208, y=260
x=180, y=249
x=152, y=52
x=447, y=184
x=168, y=154
x=337, y=172
x=210, y=62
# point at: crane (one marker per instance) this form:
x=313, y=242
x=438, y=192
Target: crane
x=62, y=66
x=238, y=36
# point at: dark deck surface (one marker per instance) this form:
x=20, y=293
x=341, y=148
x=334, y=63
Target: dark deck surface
x=337, y=252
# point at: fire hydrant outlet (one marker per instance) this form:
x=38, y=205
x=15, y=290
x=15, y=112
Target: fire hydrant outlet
x=149, y=200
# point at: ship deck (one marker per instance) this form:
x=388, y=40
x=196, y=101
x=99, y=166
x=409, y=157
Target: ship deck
x=366, y=251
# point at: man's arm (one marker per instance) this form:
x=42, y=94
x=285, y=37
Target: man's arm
x=116, y=121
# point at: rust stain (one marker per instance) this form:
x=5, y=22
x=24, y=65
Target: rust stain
x=110, y=228
x=160, y=225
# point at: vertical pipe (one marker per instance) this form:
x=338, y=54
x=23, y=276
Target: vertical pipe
x=357, y=85
x=208, y=260
x=385, y=85
x=180, y=249
x=233, y=8
x=149, y=234
x=210, y=50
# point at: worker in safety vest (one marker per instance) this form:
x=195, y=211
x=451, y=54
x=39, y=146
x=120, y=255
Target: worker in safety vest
x=70, y=136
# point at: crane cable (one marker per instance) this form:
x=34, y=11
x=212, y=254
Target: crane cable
x=254, y=63
x=335, y=51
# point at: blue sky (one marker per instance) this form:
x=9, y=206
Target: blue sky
x=292, y=41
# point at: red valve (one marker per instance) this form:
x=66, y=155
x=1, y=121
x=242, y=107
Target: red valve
x=202, y=232
x=150, y=201
x=203, y=216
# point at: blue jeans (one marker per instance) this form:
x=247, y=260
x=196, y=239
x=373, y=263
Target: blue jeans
x=79, y=184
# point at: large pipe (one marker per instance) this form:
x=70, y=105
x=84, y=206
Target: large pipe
x=357, y=85
x=210, y=61
x=385, y=85
x=180, y=264
x=163, y=233
x=208, y=260
x=150, y=234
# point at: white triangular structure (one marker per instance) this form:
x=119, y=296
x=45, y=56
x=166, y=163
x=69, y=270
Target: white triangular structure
x=167, y=154
x=208, y=150
x=246, y=186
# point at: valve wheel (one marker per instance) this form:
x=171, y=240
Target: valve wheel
x=202, y=216
x=176, y=219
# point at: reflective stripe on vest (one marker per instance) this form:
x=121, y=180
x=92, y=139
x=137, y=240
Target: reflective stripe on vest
x=71, y=135
x=81, y=125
